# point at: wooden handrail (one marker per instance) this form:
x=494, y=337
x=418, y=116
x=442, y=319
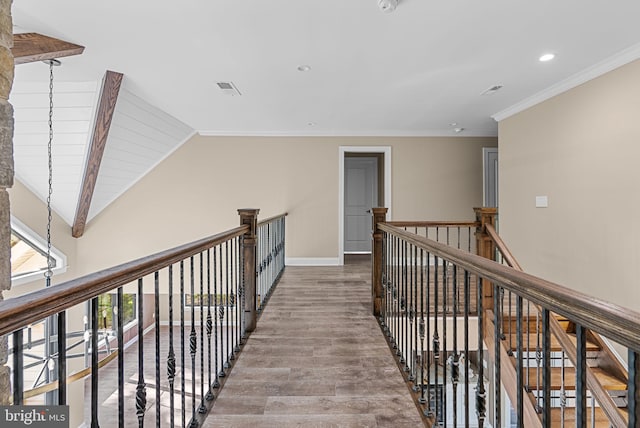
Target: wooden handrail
x=271, y=219
x=506, y=254
x=613, y=321
x=21, y=311
x=434, y=223
x=601, y=395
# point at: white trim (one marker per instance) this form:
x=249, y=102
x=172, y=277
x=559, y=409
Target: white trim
x=350, y=133
x=618, y=60
x=312, y=261
x=386, y=150
x=41, y=243
x=357, y=252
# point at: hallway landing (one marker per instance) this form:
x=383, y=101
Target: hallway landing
x=316, y=359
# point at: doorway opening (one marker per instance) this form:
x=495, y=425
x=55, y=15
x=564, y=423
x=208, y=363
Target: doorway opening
x=365, y=183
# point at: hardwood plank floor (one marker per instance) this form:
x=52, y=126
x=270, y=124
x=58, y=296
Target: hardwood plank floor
x=316, y=359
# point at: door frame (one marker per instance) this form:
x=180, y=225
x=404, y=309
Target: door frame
x=485, y=169
x=343, y=150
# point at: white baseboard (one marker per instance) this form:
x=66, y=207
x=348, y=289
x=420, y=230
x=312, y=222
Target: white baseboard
x=312, y=261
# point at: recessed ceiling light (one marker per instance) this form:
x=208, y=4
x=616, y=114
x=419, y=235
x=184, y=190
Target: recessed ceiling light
x=458, y=130
x=547, y=57
x=311, y=124
x=453, y=124
x=304, y=68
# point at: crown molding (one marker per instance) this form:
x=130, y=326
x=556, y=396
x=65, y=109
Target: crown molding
x=425, y=133
x=618, y=60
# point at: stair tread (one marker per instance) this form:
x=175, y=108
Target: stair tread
x=601, y=419
x=608, y=381
x=555, y=345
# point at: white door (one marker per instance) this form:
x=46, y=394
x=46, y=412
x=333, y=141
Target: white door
x=490, y=178
x=361, y=194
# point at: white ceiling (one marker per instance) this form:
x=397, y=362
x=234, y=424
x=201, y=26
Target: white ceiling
x=411, y=72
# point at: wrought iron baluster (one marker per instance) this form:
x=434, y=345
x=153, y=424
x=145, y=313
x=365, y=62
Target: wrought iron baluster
x=519, y=362
x=232, y=297
x=228, y=349
x=633, y=386
x=581, y=376
x=546, y=363
x=209, y=395
x=538, y=363
x=436, y=339
x=455, y=362
x=120, y=321
x=497, y=332
x=467, y=310
x=236, y=286
x=422, y=330
x=404, y=303
x=62, y=358
x=563, y=391
x=183, y=390
x=202, y=408
x=445, y=310
x=94, y=361
x=221, y=310
x=414, y=311
x=193, y=342
x=18, y=367
x=481, y=406
x=430, y=411
x=141, y=388
x=216, y=383
x=156, y=281
x=171, y=358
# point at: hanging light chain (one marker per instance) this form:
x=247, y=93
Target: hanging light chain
x=50, y=261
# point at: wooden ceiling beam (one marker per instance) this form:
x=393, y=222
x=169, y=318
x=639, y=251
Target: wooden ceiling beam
x=31, y=47
x=106, y=107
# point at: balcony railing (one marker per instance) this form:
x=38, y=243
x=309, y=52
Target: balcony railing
x=204, y=295
x=456, y=357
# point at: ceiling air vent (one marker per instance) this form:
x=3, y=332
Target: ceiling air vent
x=228, y=88
x=492, y=90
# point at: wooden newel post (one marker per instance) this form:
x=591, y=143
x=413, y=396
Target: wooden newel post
x=485, y=247
x=249, y=217
x=379, y=216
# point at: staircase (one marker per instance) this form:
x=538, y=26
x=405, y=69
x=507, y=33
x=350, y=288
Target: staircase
x=603, y=368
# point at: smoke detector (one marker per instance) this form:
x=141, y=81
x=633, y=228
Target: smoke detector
x=228, y=88
x=387, y=5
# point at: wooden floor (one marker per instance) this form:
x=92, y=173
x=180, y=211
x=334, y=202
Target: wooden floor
x=317, y=359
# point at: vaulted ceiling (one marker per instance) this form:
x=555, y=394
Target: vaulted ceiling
x=415, y=71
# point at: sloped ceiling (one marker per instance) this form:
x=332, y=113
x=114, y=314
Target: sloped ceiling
x=141, y=135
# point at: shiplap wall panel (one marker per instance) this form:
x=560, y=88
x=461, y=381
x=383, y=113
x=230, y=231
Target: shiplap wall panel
x=140, y=137
x=74, y=104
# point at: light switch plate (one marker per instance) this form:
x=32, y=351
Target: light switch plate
x=542, y=202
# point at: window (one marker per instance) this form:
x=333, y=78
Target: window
x=221, y=299
x=29, y=255
x=107, y=310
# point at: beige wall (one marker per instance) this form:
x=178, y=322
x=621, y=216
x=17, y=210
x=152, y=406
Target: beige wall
x=196, y=192
x=582, y=150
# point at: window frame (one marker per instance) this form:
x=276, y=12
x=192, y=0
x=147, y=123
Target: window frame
x=40, y=244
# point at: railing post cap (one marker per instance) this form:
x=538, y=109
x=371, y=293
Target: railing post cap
x=248, y=211
x=379, y=210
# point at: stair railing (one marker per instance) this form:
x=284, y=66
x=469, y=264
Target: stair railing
x=202, y=295
x=569, y=349
x=422, y=301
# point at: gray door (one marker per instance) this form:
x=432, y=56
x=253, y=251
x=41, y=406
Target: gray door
x=490, y=167
x=361, y=194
